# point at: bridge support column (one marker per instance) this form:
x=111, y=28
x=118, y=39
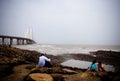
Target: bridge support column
x=27, y=41
x=23, y=42
x=11, y=41
x=3, y=40
x=17, y=41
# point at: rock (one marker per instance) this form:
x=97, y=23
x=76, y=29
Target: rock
x=103, y=75
x=39, y=77
x=69, y=71
x=5, y=70
x=18, y=74
x=84, y=76
x=47, y=70
x=116, y=78
x=57, y=77
x=53, y=70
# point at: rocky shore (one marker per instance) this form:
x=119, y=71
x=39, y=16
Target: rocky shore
x=20, y=65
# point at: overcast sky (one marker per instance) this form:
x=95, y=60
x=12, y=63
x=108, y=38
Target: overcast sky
x=63, y=21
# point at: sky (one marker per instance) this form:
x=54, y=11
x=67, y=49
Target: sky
x=63, y=21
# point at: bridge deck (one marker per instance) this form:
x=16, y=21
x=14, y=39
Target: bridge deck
x=11, y=39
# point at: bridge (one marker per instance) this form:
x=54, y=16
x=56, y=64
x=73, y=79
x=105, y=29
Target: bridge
x=10, y=40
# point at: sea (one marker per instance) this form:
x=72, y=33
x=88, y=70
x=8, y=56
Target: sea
x=57, y=49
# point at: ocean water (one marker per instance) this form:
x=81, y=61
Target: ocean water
x=66, y=49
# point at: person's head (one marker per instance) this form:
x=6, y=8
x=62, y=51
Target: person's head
x=99, y=62
x=42, y=54
x=94, y=62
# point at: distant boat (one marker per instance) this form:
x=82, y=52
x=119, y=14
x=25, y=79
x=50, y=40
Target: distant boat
x=29, y=33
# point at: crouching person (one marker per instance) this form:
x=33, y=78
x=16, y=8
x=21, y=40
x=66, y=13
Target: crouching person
x=101, y=67
x=44, y=61
x=93, y=66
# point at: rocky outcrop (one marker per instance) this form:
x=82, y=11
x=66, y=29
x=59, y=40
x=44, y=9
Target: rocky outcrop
x=19, y=72
x=67, y=74
x=39, y=77
x=13, y=66
x=10, y=55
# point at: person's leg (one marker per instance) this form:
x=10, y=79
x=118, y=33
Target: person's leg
x=47, y=64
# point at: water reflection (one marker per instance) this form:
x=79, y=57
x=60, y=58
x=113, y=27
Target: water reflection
x=84, y=64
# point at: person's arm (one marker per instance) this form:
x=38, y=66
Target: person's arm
x=47, y=59
x=103, y=67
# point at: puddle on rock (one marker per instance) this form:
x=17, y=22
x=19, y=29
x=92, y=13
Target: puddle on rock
x=84, y=64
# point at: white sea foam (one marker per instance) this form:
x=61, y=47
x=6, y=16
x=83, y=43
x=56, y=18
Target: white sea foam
x=65, y=49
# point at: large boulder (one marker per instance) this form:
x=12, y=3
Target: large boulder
x=39, y=77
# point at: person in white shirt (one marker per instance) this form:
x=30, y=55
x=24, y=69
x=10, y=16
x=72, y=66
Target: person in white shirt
x=44, y=61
